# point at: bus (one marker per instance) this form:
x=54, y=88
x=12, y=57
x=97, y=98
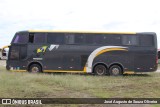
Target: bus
x=158, y=56
x=99, y=53
x=0, y=53
x=4, y=52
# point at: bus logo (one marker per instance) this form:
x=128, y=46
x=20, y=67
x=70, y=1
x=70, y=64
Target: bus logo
x=41, y=49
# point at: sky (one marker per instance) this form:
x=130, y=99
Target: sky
x=88, y=15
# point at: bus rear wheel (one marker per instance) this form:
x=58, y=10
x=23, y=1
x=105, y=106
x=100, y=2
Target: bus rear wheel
x=115, y=70
x=35, y=68
x=100, y=70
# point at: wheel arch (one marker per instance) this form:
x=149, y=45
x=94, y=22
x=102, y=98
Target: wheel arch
x=99, y=63
x=31, y=63
x=119, y=64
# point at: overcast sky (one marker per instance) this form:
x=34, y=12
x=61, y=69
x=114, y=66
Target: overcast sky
x=92, y=15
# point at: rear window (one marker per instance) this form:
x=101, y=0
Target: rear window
x=146, y=40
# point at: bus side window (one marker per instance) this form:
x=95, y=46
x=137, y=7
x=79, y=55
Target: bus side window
x=99, y=39
x=130, y=40
x=55, y=38
x=37, y=38
x=79, y=39
x=89, y=39
x=31, y=37
x=69, y=38
x=112, y=39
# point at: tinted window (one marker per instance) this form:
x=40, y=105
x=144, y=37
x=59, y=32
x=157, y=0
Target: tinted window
x=55, y=38
x=14, y=53
x=21, y=38
x=37, y=37
x=98, y=39
x=23, y=52
x=106, y=39
x=112, y=39
x=79, y=38
x=146, y=40
x=130, y=40
x=69, y=38
x=90, y=39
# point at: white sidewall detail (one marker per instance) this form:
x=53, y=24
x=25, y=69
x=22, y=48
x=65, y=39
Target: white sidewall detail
x=93, y=55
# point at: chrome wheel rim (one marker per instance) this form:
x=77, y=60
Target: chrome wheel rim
x=115, y=71
x=35, y=70
x=100, y=70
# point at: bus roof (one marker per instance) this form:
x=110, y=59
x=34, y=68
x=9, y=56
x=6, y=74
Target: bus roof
x=74, y=31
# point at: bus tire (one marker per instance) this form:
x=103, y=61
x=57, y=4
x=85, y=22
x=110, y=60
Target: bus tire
x=35, y=68
x=100, y=70
x=115, y=70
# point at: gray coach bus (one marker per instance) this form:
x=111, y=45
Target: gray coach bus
x=100, y=53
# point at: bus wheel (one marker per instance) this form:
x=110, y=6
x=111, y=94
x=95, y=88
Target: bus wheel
x=115, y=70
x=35, y=68
x=100, y=70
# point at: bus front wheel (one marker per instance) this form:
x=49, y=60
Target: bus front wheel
x=35, y=68
x=100, y=70
x=115, y=70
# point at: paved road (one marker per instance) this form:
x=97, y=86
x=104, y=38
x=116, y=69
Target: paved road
x=3, y=63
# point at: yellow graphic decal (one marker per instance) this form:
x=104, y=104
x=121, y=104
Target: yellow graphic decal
x=129, y=72
x=111, y=49
x=42, y=49
x=74, y=31
x=84, y=70
x=71, y=71
x=99, y=51
x=18, y=70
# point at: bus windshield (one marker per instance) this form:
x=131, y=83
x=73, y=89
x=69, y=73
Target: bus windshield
x=21, y=38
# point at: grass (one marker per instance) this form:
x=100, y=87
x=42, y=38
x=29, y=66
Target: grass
x=17, y=84
x=27, y=85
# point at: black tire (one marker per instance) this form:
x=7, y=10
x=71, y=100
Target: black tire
x=115, y=70
x=100, y=70
x=35, y=68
